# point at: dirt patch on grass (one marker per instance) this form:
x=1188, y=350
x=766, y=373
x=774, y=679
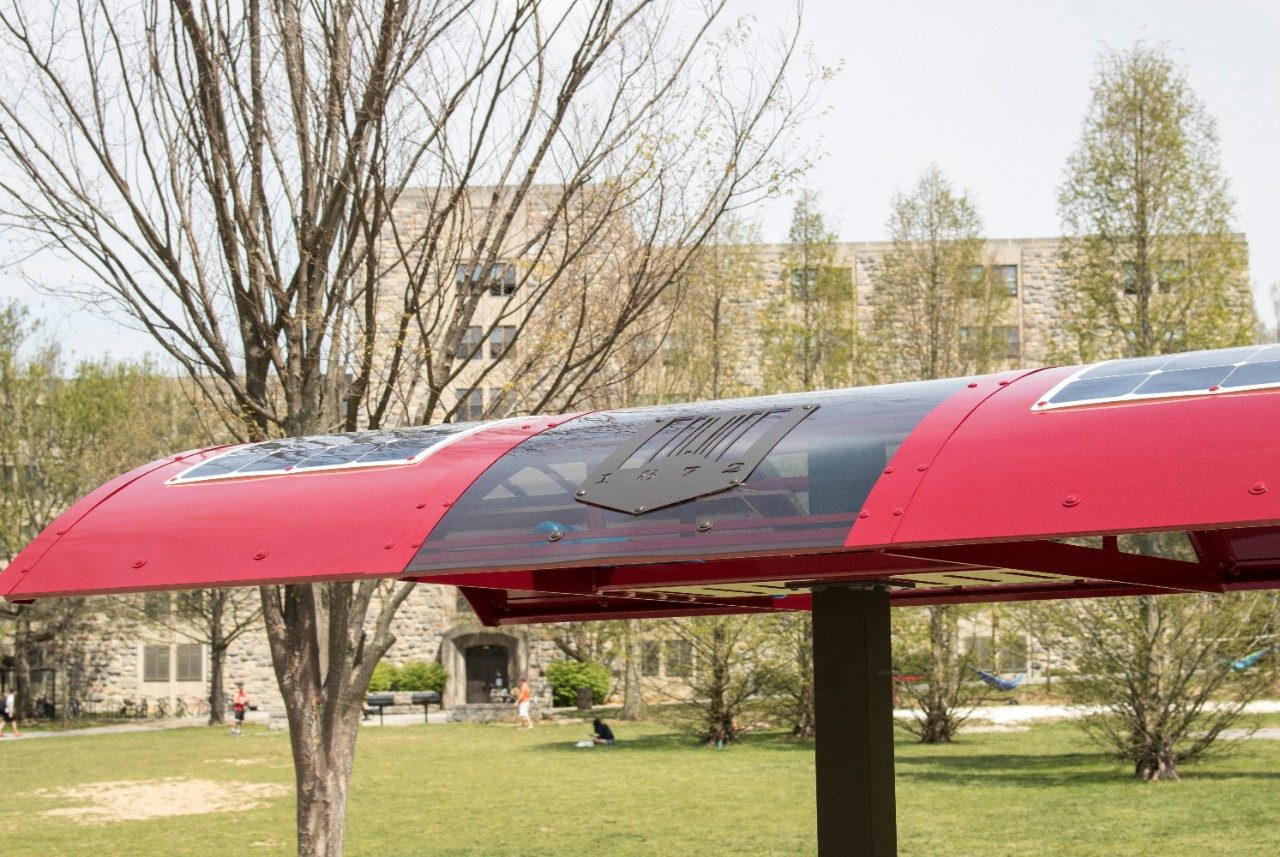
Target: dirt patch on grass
x=140, y=800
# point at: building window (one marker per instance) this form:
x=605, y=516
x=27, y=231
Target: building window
x=1011, y=337
x=155, y=605
x=155, y=663
x=470, y=405
x=650, y=658
x=472, y=339
x=1130, y=278
x=499, y=279
x=679, y=658
x=501, y=402
x=501, y=338
x=1008, y=274
x=1172, y=275
x=190, y=658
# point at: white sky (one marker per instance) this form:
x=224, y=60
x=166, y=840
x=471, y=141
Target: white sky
x=991, y=91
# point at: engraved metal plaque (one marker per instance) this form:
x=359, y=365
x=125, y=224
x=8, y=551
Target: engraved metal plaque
x=685, y=457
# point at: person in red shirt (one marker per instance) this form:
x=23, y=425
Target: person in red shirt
x=238, y=705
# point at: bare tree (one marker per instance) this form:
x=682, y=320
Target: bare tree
x=308, y=206
x=730, y=673
x=939, y=689
x=1159, y=679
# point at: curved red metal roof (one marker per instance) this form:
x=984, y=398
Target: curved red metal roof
x=1013, y=486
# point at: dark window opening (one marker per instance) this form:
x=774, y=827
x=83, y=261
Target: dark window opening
x=190, y=662
x=470, y=347
x=679, y=658
x=155, y=663
x=470, y=405
x=501, y=338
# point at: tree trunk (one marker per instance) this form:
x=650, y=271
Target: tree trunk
x=937, y=722
x=1159, y=763
x=22, y=665
x=324, y=704
x=323, y=757
x=217, y=661
x=633, y=704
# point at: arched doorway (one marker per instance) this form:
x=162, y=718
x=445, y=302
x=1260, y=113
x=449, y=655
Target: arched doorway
x=476, y=659
x=487, y=675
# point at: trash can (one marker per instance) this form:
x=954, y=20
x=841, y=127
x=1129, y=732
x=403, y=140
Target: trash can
x=584, y=698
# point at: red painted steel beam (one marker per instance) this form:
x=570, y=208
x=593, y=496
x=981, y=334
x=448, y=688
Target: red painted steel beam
x=1081, y=562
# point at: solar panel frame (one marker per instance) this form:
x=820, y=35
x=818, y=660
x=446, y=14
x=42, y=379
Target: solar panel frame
x=362, y=444
x=1171, y=376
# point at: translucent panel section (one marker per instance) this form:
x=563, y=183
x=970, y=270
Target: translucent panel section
x=325, y=452
x=1164, y=545
x=1198, y=373
x=532, y=506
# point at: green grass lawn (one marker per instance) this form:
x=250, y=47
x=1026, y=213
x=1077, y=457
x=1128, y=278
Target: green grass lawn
x=492, y=790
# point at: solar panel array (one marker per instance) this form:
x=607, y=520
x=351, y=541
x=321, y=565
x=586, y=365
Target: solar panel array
x=1197, y=373
x=326, y=452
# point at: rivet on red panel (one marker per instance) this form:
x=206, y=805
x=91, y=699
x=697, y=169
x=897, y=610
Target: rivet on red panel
x=260, y=555
x=525, y=427
x=447, y=503
x=898, y=511
x=420, y=506
x=888, y=470
x=922, y=467
x=139, y=563
x=1004, y=383
x=864, y=514
x=972, y=384
x=1070, y=500
x=415, y=544
x=1259, y=488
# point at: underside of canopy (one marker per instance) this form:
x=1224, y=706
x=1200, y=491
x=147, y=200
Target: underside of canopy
x=1129, y=477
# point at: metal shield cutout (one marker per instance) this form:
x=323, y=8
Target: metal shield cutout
x=686, y=457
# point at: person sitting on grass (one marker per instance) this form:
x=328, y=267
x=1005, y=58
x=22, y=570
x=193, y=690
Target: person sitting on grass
x=603, y=734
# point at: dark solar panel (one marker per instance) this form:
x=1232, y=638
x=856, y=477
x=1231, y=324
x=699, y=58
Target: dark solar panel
x=1193, y=374
x=327, y=452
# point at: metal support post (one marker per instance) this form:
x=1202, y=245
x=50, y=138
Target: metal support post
x=854, y=715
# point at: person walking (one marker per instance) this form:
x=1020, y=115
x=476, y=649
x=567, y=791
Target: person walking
x=9, y=714
x=524, y=697
x=238, y=705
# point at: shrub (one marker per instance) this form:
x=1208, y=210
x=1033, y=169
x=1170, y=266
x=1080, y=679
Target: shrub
x=565, y=677
x=385, y=677
x=415, y=675
x=418, y=675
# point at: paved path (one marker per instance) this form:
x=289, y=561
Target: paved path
x=1000, y=718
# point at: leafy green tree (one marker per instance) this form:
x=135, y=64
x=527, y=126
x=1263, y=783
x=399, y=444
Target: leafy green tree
x=732, y=677
x=708, y=351
x=937, y=305
x=1150, y=261
x=63, y=431
x=809, y=327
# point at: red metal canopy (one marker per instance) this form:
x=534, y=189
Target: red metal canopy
x=1021, y=485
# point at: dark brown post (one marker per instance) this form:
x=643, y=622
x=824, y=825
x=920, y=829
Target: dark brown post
x=854, y=711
